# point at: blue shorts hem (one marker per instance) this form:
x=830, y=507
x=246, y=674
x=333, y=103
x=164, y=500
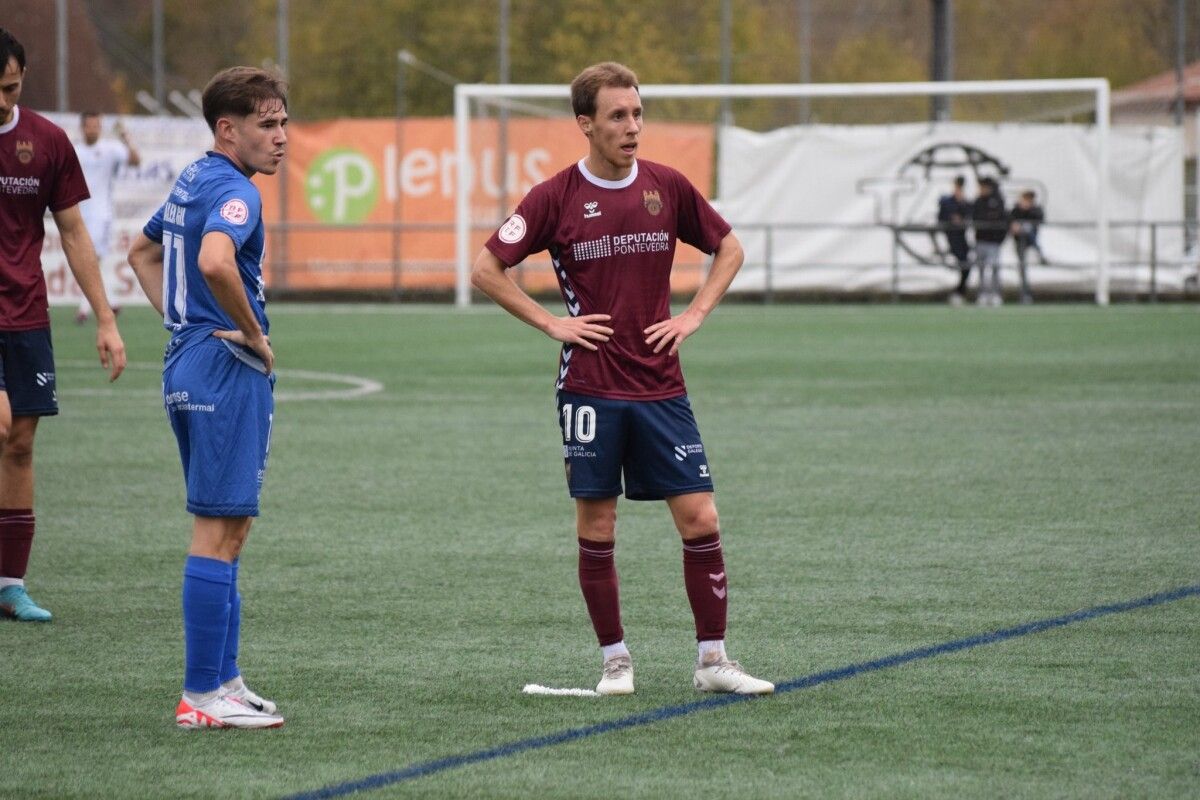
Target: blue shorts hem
x=221, y=511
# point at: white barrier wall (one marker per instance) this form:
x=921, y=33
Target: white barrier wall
x=894, y=174
x=166, y=145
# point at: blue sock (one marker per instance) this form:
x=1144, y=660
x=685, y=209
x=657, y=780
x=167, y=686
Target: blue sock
x=229, y=667
x=206, y=583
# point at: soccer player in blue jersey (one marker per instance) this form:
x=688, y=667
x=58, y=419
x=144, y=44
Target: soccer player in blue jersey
x=199, y=259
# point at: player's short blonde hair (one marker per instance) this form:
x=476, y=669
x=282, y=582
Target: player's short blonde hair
x=588, y=84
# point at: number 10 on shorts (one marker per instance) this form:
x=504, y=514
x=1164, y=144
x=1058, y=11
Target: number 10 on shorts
x=579, y=423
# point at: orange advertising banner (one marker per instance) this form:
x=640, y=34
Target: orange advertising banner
x=370, y=203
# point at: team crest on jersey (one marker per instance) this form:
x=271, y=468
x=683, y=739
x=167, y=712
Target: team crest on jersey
x=235, y=211
x=591, y=209
x=24, y=151
x=652, y=201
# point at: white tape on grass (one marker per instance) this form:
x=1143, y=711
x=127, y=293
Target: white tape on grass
x=537, y=688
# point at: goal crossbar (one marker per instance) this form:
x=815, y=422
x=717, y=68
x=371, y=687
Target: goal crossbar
x=465, y=93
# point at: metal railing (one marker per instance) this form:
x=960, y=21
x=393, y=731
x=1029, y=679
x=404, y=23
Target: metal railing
x=763, y=238
x=1154, y=258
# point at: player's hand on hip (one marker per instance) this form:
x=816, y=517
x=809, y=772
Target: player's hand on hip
x=672, y=331
x=112, y=350
x=261, y=345
x=585, y=330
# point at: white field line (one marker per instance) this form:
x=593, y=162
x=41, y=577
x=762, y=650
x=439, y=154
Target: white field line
x=355, y=386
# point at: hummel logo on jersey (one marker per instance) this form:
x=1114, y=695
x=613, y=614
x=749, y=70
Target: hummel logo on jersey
x=591, y=209
x=704, y=471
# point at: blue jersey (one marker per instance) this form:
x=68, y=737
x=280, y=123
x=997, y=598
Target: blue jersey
x=211, y=194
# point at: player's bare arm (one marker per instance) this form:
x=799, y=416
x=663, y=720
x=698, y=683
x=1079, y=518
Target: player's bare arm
x=490, y=277
x=146, y=259
x=81, y=258
x=726, y=263
x=218, y=265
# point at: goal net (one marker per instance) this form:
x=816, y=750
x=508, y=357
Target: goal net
x=834, y=189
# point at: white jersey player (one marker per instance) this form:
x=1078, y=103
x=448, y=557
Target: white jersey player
x=101, y=159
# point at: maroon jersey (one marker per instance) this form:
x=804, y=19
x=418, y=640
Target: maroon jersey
x=612, y=244
x=38, y=170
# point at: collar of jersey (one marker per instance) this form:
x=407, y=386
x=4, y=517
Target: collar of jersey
x=16, y=118
x=603, y=184
x=226, y=159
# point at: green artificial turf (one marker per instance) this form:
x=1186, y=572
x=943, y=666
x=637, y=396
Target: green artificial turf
x=887, y=477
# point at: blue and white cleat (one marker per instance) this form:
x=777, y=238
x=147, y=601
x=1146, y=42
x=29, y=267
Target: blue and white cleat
x=16, y=603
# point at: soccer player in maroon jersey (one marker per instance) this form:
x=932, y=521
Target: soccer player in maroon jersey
x=38, y=170
x=611, y=223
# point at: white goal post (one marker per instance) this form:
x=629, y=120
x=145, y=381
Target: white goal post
x=464, y=94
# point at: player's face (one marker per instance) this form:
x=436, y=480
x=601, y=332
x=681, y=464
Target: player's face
x=259, y=141
x=10, y=89
x=614, y=131
x=91, y=129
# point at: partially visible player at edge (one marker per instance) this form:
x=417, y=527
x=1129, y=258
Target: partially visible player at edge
x=38, y=171
x=611, y=223
x=199, y=259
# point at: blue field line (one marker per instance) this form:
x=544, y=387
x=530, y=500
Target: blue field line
x=671, y=712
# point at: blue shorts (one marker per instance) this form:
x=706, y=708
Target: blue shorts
x=27, y=372
x=221, y=409
x=656, y=444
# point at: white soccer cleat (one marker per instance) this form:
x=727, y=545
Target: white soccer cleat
x=246, y=695
x=223, y=712
x=727, y=677
x=618, y=676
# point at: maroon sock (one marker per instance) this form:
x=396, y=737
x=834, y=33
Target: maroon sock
x=704, y=577
x=16, y=540
x=598, y=580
